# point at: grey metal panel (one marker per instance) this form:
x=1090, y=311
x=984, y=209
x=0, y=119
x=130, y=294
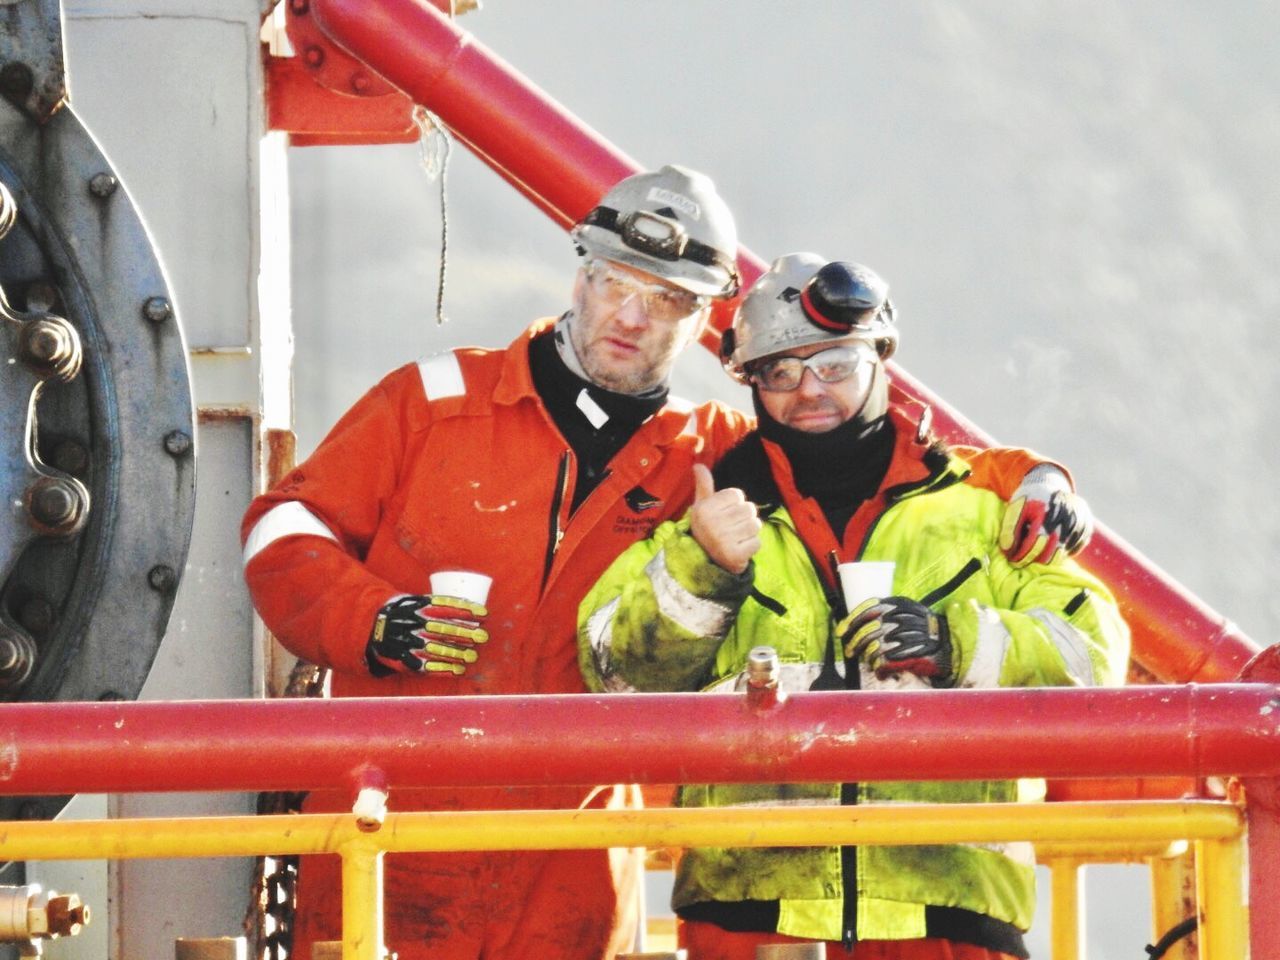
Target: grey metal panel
x=206, y=655
x=167, y=95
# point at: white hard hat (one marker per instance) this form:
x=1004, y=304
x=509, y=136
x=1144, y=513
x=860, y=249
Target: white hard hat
x=671, y=224
x=803, y=299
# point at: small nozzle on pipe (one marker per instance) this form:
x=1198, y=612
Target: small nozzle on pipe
x=763, y=667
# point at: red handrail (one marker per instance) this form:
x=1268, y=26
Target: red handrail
x=1155, y=731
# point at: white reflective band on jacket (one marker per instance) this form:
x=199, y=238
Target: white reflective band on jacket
x=289, y=519
x=684, y=607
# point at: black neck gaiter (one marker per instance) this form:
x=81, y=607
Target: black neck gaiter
x=618, y=415
x=840, y=468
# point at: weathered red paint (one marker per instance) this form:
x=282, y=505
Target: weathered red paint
x=1262, y=809
x=1152, y=731
x=314, y=115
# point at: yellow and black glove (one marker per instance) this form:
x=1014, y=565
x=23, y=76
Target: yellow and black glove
x=898, y=635
x=426, y=634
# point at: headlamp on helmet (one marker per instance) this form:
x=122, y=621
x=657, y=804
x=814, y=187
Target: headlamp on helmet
x=655, y=235
x=670, y=223
x=803, y=299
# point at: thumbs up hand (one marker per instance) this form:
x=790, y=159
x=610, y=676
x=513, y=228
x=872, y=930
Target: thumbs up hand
x=724, y=522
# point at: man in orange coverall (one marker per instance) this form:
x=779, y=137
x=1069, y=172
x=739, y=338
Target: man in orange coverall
x=536, y=465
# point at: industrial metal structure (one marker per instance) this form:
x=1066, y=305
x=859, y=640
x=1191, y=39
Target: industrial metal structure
x=146, y=313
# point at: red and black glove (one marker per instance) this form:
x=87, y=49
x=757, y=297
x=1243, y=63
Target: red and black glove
x=1044, y=517
x=426, y=634
x=898, y=635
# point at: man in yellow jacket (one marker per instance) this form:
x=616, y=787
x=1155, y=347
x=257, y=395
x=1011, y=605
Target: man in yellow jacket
x=840, y=470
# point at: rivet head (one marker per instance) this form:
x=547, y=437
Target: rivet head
x=299, y=7
x=16, y=80
x=314, y=57
x=103, y=185
x=70, y=456
x=41, y=297
x=177, y=442
x=157, y=309
x=360, y=82
x=162, y=578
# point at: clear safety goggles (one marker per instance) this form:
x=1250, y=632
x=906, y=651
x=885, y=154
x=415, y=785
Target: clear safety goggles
x=616, y=287
x=783, y=374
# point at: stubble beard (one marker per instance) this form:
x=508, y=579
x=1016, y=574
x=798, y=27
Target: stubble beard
x=630, y=381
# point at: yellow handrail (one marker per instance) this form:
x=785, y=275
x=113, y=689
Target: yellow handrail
x=1216, y=827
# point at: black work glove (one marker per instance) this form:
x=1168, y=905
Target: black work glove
x=425, y=634
x=898, y=635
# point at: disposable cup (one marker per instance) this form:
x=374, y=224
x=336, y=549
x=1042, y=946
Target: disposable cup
x=464, y=584
x=864, y=579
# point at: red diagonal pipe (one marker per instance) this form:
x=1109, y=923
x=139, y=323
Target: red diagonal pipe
x=564, y=167
x=1188, y=730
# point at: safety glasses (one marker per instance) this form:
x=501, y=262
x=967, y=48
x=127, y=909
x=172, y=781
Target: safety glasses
x=661, y=302
x=783, y=374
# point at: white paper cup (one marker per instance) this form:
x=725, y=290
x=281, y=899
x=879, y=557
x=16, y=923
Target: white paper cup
x=865, y=579
x=463, y=584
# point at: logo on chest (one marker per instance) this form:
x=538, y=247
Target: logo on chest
x=639, y=501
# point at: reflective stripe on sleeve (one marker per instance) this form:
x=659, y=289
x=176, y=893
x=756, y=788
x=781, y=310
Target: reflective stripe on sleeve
x=600, y=638
x=287, y=519
x=1071, y=645
x=989, y=651
x=442, y=376
x=697, y=615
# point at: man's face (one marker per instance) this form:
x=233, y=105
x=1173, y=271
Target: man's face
x=814, y=406
x=629, y=326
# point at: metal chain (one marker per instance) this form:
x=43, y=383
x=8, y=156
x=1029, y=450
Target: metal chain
x=273, y=898
x=434, y=147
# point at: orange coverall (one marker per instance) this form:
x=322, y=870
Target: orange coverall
x=455, y=464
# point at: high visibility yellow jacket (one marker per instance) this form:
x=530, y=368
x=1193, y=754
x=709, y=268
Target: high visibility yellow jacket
x=665, y=617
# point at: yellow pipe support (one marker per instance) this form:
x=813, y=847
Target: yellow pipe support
x=1224, y=923
x=362, y=933
x=1173, y=900
x=1119, y=822
x=1066, y=917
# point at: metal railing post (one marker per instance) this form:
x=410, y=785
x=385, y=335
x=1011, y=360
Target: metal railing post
x=362, y=933
x=1220, y=886
x=1067, y=911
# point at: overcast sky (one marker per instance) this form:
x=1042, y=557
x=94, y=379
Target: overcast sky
x=1076, y=207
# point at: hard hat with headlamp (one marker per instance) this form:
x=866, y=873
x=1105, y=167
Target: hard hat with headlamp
x=804, y=299
x=671, y=224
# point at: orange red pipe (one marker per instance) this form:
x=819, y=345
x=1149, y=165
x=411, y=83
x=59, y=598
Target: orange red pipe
x=1148, y=731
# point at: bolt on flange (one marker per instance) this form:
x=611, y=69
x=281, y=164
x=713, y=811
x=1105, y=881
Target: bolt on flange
x=57, y=506
x=51, y=347
x=17, y=657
